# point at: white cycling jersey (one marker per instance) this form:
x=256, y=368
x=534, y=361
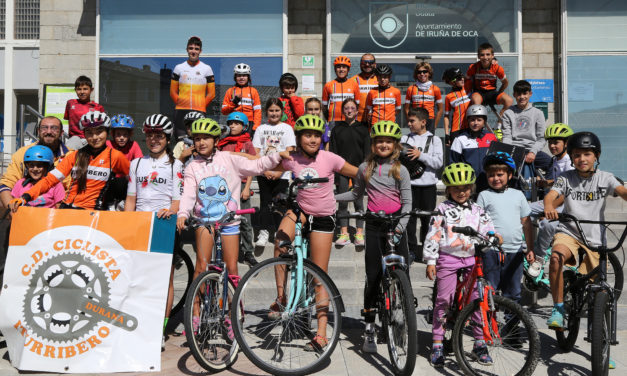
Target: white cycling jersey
x=155, y=182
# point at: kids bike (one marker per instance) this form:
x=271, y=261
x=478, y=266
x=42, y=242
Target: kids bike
x=395, y=303
x=593, y=296
x=508, y=330
x=207, y=315
x=280, y=342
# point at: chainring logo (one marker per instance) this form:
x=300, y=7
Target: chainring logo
x=388, y=23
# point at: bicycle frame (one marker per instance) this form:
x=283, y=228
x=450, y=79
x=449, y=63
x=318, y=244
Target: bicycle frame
x=300, y=249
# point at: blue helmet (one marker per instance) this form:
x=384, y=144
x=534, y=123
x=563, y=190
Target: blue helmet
x=39, y=153
x=500, y=157
x=238, y=116
x=122, y=121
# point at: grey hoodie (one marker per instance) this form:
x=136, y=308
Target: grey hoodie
x=524, y=128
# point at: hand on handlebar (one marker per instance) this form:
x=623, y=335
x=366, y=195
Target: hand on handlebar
x=550, y=213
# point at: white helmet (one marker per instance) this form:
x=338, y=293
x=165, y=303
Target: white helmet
x=94, y=119
x=477, y=110
x=242, y=68
x=158, y=122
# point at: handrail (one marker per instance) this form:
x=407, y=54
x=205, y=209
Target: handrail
x=23, y=109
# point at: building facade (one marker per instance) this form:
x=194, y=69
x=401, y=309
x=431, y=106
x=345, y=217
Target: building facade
x=571, y=50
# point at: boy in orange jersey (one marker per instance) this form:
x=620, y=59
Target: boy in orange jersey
x=482, y=77
x=384, y=102
x=243, y=97
x=455, y=105
x=367, y=80
x=334, y=92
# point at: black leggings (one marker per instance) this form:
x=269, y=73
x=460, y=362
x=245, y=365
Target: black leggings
x=423, y=198
x=376, y=243
x=268, y=189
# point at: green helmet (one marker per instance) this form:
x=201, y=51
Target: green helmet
x=309, y=122
x=206, y=126
x=558, y=130
x=458, y=174
x=385, y=128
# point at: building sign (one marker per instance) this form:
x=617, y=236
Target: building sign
x=542, y=90
x=85, y=291
x=308, y=61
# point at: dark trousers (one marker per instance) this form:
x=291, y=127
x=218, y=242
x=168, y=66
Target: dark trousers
x=268, y=189
x=342, y=207
x=504, y=277
x=423, y=198
x=376, y=243
x=245, y=227
x=543, y=161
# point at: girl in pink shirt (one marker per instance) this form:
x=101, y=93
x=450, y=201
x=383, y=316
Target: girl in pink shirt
x=38, y=160
x=121, y=134
x=317, y=207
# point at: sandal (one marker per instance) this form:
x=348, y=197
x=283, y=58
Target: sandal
x=318, y=343
x=276, y=308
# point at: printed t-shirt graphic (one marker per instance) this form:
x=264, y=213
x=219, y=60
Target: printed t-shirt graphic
x=457, y=102
x=155, y=180
x=191, y=84
x=485, y=79
x=333, y=95
x=384, y=104
x=425, y=99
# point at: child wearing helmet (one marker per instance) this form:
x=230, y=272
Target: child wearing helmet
x=92, y=169
x=335, y=91
x=387, y=184
x=471, y=144
x=510, y=214
x=446, y=252
x=455, y=104
x=242, y=96
x=121, y=137
x=239, y=141
x=384, y=102
x=583, y=192
x=317, y=208
x=38, y=160
x=185, y=147
x=293, y=106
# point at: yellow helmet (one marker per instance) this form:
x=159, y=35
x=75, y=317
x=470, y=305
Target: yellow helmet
x=206, y=126
x=457, y=174
x=386, y=128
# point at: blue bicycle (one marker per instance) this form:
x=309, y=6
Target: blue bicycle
x=279, y=339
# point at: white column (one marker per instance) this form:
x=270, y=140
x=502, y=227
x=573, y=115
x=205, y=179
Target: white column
x=9, y=95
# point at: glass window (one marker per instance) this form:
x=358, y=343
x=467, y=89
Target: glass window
x=3, y=15
x=597, y=25
x=597, y=102
x=163, y=26
x=26, y=19
x=423, y=26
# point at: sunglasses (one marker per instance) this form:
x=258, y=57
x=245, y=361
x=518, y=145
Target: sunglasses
x=368, y=61
x=422, y=72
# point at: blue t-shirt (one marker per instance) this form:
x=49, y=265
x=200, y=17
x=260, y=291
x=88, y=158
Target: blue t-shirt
x=506, y=209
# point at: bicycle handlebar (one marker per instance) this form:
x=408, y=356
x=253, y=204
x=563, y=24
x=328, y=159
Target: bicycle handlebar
x=381, y=215
x=489, y=240
x=227, y=217
x=565, y=217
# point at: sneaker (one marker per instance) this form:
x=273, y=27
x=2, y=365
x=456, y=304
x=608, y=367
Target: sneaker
x=343, y=240
x=369, y=346
x=481, y=354
x=228, y=329
x=249, y=259
x=557, y=318
x=163, y=343
x=535, y=268
x=437, y=356
x=612, y=364
x=262, y=239
x=359, y=240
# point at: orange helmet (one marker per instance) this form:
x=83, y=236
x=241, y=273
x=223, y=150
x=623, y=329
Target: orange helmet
x=343, y=60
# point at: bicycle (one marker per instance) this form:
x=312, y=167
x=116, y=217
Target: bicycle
x=279, y=345
x=508, y=330
x=590, y=294
x=183, y=277
x=395, y=303
x=207, y=317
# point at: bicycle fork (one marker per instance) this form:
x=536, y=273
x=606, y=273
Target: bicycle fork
x=296, y=274
x=489, y=325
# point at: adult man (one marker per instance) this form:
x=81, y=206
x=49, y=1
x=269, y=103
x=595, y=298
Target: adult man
x=367, y=80
x=192, y=87
x=49, y=132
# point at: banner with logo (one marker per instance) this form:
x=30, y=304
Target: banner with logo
x=85, y=291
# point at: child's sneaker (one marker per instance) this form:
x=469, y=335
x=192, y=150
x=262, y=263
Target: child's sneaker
x=481, y=354
x=535, y=268
x=262, y=239
x=343, y=239
x=370, y=345
x=437, y=356
x=557, y=318
x=359, y=240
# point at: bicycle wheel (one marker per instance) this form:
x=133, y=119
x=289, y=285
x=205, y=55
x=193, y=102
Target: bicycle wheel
x=515, y=347
x=206, y=331
x=567, y=337
x=399, y=322
x=278, y=345
x=614, y=274
x=183, y=275
x=600, y=334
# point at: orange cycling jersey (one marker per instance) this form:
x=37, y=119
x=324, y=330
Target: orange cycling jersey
x=250, y=104
x=457, y=102
x=98, y=171
x=365, y=85
x=334, y=93
x=383, y=103
x=192, y=87
x=485, y=79
x=425, y=99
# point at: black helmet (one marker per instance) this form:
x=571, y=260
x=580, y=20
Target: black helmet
x=383, y=69
x=287, y=77
x=584, y=140
x=452, y=74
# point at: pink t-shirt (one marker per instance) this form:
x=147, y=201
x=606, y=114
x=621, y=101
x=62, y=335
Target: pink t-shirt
x=131, y=150
x=317, y=199
x=47, y=200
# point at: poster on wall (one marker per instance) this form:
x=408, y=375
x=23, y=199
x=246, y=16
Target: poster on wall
x=84, y=291
x=55, y=98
